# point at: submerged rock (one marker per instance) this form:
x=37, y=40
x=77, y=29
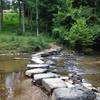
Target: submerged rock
x=74, y=93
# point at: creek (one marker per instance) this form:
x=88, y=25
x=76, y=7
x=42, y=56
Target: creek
x=12, y=72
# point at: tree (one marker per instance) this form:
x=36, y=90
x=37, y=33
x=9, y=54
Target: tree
x=37, y=17
x=23, y=18
x=1, y=15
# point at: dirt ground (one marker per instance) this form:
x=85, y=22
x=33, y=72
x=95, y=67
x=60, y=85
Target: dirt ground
x=30, y=92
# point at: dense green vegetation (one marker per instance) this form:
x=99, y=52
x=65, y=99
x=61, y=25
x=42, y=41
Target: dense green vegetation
x=75, y=23
x=11, y=41
x=24, y=44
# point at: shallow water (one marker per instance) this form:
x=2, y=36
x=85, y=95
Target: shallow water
x=12, y=72
x=11, y=75
x=91, y=66
x=86, y=66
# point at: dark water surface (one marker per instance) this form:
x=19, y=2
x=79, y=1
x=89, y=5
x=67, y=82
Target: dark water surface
x=11, y=75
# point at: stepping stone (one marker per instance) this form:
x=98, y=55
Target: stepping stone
x=35, y=71
x=52, y=83
x=45, y=75
x=88, y=85
x=50, y=62
x=65, y=78
x=97, y=96
x=53, y=50
x=37, y=60
x=75, y=93
x=38, y=54
x=69, y=85
x=48, y=52
x=38, y=66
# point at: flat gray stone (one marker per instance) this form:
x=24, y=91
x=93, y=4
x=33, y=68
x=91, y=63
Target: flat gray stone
x=54, y=50
x=65, y=78
x=37, y=60
x=50, y=62
x=97, y=96
x=35, y=71
x=75, y=93
x=45, y=75
x=52, y=83
x=88, y=85
x=38, y=66
x=69, y=84
x=48, y=52
x=37, y=54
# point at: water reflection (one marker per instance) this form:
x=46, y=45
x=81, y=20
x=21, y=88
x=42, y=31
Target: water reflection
x=9, y=86
x=11, y=76
x=11, y=81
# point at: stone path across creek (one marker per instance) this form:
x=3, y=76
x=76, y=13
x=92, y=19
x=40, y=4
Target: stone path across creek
x=59, y=87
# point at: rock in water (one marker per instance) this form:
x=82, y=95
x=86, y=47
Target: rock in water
x=37, y=54
x=37, y=60
x=74, y=93
x=31, y=66
x=45, y=75
x=35, y=71
x=52, y=83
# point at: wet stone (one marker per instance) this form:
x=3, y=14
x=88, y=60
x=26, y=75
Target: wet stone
x=38, y=77
x=74, y=93
x=37, y=54
x=87, y=85
x=69, y=84
x=35, y=71
x=38, y=66
x=65, y=78
x=52, y=83
x=97, y=96
x=50, y=62
x=37, y=60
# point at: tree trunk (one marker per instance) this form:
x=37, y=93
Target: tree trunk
x=31, y=16
x=20, y=16
x=37, y=18
x=1, y=15
x=23, y=18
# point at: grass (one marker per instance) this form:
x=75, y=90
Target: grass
x=10, y=41
x=24, y=44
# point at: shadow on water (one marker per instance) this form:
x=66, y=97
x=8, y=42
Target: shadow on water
x=11, y=75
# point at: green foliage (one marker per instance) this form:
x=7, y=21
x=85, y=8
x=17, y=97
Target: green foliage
x=24, y=43
x=80, y=32
x=72, y=22
x=73, y=26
